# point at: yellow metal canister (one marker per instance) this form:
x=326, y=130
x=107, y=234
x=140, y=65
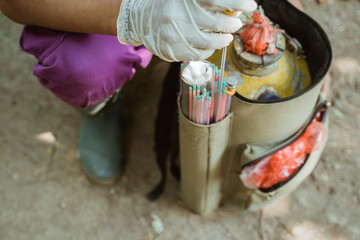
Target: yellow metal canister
x=281, y=75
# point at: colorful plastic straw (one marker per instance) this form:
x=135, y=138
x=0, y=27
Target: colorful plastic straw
x=223, y=96
x=204, y=106
x=194, y=103
x=198, y=106
x=223, y=105
x=202, y=109
x=209, y=110
x=190, y=103
x=212, y=90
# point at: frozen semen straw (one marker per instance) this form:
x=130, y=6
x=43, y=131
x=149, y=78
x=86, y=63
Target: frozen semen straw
x=222, y=103
x=193, y=103
x=190, y=102
x=198, y=109
x=209, y=107
x=201, y=109
x=212, y=90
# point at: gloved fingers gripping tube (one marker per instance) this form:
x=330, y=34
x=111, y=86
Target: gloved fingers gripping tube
x=223, y=23
x=173, y=52
x=151, y=23
x=215, y=41
x=198, y=48
x=209, y=21
x=231, y=5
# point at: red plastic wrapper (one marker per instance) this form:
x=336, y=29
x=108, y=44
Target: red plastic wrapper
x=283, y=164
x=259, y=36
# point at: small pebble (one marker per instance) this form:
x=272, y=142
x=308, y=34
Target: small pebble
x=303, y=201
x=15, y=176
x=324, y=177
x=157, y=224
x=337, y=166
x=341, y=29
x=337, y=218
x=332, y=218
x=112, y=191
x=63, y=205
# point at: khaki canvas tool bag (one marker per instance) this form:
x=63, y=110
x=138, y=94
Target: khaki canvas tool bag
x=212, y=156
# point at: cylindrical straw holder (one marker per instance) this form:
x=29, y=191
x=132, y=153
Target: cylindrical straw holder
x=202, y=149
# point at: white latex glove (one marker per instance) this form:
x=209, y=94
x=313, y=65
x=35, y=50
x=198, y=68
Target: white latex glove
x=180, y=30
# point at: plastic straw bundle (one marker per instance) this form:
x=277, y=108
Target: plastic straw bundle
x=200, y=92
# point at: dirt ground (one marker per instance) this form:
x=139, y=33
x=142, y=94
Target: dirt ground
x=44, y=195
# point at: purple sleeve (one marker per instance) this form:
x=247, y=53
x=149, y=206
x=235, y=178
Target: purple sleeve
x=82, y=69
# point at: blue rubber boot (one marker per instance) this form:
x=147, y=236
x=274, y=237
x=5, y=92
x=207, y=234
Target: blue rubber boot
x=100, y=145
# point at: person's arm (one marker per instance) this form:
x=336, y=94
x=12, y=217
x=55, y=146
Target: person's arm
x=84, y=16
x=174, y=30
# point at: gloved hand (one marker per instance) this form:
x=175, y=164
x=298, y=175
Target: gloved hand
x=180, y=30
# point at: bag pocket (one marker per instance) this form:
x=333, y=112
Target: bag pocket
x=202, y=148
x=255, y=161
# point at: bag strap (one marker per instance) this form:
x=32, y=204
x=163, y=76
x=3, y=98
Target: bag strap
x=166, y=129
